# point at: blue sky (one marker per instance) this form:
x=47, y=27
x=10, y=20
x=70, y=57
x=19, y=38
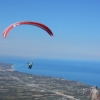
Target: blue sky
x=75, y=24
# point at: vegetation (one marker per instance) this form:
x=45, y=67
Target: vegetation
x=15, y=85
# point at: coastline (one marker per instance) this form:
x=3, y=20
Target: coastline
x=67, y=73
x=42, y=86
x=13, y=67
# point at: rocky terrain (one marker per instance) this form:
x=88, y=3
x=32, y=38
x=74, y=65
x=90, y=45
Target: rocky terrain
x=15, y=85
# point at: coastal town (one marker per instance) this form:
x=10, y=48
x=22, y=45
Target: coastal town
x=16, y=85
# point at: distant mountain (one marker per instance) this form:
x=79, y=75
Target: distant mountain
x=15, y=85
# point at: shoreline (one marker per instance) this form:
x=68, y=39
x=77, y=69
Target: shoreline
x=13, y=67
x=51, y=75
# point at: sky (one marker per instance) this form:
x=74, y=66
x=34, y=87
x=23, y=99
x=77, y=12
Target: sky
x=74, y=23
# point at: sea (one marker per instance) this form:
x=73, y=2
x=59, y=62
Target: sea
x=87, y=72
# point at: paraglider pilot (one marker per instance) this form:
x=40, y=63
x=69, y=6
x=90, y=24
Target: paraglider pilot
x=30, y=65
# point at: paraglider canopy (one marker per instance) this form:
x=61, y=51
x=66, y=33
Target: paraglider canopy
x=44, y=27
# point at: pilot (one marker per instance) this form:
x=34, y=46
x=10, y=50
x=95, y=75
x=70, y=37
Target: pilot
x=30, y=65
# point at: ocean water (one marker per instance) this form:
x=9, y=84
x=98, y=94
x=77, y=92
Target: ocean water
x=87, y=72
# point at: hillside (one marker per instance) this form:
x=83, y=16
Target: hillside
x=15, y=85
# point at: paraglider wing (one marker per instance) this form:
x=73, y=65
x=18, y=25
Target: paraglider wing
x=44, y=27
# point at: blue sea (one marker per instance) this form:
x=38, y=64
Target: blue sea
x=87, y=72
